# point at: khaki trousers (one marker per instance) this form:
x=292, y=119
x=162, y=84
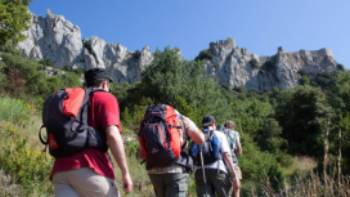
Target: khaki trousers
x=170, y=185
x=83, y=182
x=217, y=183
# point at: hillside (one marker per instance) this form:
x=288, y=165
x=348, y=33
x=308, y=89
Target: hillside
x=295, y=138
x=276, y=128
x=57, y=40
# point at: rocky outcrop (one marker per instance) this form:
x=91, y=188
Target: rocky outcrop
x=53, y=38
x=125, y=66
x=236, y=67
x=56, y=39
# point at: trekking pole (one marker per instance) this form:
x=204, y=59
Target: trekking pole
x=203, y=173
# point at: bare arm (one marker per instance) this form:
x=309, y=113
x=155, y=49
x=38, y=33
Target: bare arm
x=239, y=149
x=229, y=164
x=115, y=143
x=193, y=132
x=197, y=136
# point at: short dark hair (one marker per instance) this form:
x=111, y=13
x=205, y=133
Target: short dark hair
x=94, y=77
x=208, y=120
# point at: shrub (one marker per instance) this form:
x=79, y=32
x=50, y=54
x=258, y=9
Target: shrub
x=7, y=187
x=15, y=110
x=26, y=78
x=28, y=167
x=14, y=19
x=304, y=117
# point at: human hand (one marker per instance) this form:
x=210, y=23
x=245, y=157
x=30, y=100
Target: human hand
x=127, y=183
x=235, y=183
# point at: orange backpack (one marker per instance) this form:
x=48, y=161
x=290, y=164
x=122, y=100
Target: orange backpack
x=65, y=117
x=159, y=136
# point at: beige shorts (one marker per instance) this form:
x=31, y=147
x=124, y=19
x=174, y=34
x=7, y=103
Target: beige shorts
x=83, y=182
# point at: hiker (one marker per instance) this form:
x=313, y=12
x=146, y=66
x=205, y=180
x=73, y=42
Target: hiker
x=163, y=138
x=234, y=141
x=213, y=162
x=89, y=172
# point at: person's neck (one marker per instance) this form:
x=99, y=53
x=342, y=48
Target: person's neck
x=101, y=87
x=96, y=88
x=210, y=128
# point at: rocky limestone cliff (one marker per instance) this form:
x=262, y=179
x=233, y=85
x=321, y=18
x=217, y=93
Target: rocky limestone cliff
x=125, y=66
x=236, y=67
x=53, y=38
x=56, y=39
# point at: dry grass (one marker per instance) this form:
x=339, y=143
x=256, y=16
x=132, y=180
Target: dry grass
x=142, y=184
x=311, y=186
x=301, y=164
x=7, y=187
x=304, y=163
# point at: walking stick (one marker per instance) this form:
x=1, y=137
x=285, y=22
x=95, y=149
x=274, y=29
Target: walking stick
x=206, y=194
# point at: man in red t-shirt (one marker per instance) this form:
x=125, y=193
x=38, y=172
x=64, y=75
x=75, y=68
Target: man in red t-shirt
x=90, y=172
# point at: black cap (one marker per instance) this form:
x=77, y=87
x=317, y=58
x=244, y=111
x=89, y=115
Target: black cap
x=96, y=75
x=208, y=120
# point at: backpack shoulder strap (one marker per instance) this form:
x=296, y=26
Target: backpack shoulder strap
x=230, y=135
x=210, y=134
x=226, y=132
x=86, y=102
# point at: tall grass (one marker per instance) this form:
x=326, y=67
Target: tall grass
x=142, y=184
x=20, y=155
x=15, y=110
x=311, y=185
x=27, y=166
x=7, y=187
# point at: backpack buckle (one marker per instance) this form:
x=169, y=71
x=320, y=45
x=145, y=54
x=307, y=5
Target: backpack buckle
x=41, y=137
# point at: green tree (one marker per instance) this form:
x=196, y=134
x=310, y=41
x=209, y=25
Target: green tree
x=183, y=84
x=14, y=18
x=336, y=86
x=269, y=136
x=258, y=167
x=23, y=78
x=343, y=88
x=249, y=112
x=339, y=96
x=344, y=142
x=304, y=118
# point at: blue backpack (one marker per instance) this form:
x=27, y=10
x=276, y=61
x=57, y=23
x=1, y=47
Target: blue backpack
x=211, y=149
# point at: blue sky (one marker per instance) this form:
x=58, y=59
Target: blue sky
x=258, y=25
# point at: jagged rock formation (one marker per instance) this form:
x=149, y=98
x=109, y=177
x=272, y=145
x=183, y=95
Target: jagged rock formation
x=56, y=39
x=236, y=67
x=125, y=66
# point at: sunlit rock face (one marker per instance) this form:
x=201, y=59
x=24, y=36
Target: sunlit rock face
x=236, y=67
x=57, y=40
x=53, y=38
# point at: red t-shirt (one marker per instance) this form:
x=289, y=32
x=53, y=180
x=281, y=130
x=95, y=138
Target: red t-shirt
x=103, y=112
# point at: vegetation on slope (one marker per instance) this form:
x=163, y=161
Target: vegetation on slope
x=275, y=126
x=310, y=121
